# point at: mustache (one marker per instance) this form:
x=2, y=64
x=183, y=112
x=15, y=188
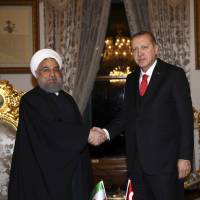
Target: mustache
x=52, y=79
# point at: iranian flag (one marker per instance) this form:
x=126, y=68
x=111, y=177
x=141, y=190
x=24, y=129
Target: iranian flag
x=99, y=192
x=129, y=191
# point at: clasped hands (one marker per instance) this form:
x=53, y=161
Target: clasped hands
x=97, y=136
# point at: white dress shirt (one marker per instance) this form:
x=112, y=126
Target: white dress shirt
x=149, y=72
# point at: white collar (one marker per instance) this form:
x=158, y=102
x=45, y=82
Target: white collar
x=150, y=70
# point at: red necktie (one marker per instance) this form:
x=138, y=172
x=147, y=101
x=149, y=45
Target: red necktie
x=143, y=85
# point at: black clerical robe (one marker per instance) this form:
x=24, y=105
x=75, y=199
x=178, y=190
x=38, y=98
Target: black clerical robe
x=50, y=159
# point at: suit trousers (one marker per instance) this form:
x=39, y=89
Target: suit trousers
x=164, y=186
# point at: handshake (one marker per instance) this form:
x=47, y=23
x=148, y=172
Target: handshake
x=97, y=136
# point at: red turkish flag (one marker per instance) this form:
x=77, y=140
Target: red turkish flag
x=129, y=191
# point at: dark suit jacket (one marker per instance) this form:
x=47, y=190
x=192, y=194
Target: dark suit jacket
x=158, y=126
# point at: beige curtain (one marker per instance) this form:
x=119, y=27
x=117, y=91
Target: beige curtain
x=137, y=14
x=169, y=20
x=76, y=29
x=62, y=33
x=170, y=23
x=94, y=20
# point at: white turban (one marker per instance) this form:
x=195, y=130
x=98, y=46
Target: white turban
x=42, y=54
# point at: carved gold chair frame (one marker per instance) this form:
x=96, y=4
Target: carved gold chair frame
x=194, y=178
x=9, y=103
x=9, y=115
x=197, y=118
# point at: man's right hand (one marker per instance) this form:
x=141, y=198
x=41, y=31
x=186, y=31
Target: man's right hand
x=97, y=136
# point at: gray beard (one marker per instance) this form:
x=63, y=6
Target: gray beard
x=51, y=88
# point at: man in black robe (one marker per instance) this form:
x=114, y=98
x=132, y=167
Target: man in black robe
x=50, y=159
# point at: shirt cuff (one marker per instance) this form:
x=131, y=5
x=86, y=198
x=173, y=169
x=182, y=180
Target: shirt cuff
x=107, y=133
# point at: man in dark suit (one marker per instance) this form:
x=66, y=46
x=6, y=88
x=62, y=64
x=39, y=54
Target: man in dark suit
x=157, y=118
x=50, y=159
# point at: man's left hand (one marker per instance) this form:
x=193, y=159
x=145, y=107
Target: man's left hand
x=184, y=168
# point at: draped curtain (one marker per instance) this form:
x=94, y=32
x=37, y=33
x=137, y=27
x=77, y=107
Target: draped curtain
x=76, y=29
x=62, y=33
x=137, y=13
x=170, y=23
x=94, y=20
x=169, y=20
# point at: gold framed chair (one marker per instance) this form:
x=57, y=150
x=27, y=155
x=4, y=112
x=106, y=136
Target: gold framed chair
x=194, y=178
x=9, y=114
